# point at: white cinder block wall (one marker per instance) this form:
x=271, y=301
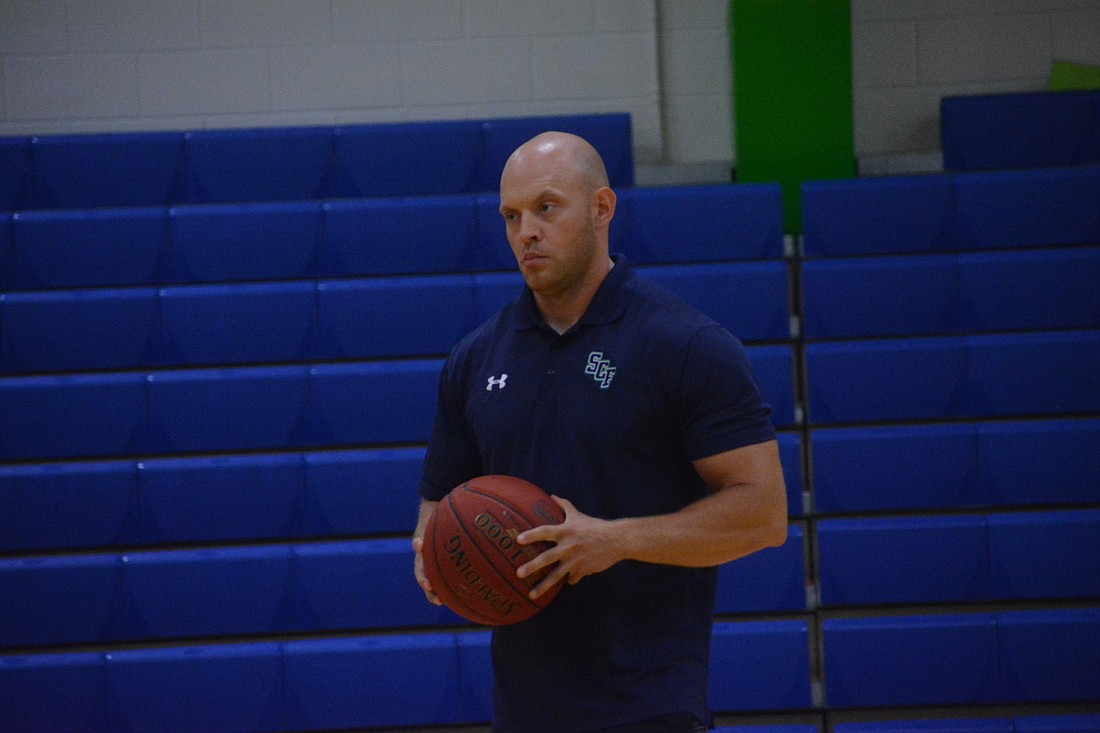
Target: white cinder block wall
x=110, y=65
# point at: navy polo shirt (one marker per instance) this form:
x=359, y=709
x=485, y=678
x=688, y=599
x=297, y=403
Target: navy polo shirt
x=609, y=415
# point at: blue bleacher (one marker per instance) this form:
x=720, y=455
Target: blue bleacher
x=53, y=692
x=364, y=682
x=238, y=323
x=85, y=329
x=227, y=409
x=57, y=505
x=208, y=592
x=778, y=676
x=71, y=415
x=900, y=560
x=1050, y=655
x=943, y=377
x=947, y=213
x=1040, y=462
x=60, y=600
x=1045, y=555
x=87, y=248
x=888, y=468
x=240, y=242
x=1069, y=723
x=1020, y=130
x=214, y=688
x=946, y=294
x=934, y=725
x=221, y=498
x=772, y=580
x=120, y=169
x=911, y=660
x=362, y=491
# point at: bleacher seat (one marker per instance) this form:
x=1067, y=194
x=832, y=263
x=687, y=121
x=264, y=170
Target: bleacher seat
x=944, y=377
x=399, y=236
x=945, y=294
x=118, y=169
x=360, y=492
x=1012, y=291
x=1035, y=373
x=213, y=688
x=1050, y=655
x=898, y=560
x=68, y=505
x=475, y=675
x=395, y=316
x=53, y=692
x=77, y=330
x=715, y=223
x=1039, y=462
x=239, y=323
x=59, y=600
x=773, y=369
x=240, y=242
x=221, y=498
x=790, y=459
x=87, y=248
x=911, y=660
x=69, y=416
x=1035, y=208
x=863, y=216
x=8, y=279
x=895, y=468
x=373, y=403
x=778, y=677
x=1020, y=130
x=1069, y=723
x=897, y=380
x=368, y=682
x=932, y=725
x=242, y=409
x=401, y=159
x=358, y=584
x=267, y=164
x=765, y=729
x=951, y=212
x=769, y=581
x=208, y=592
x=15, y=165
x=749, y=299
x=1045, y=555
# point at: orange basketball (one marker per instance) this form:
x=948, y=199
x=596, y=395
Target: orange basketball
x=471, y=553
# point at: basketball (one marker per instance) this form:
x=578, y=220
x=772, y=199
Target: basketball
x=471, y=554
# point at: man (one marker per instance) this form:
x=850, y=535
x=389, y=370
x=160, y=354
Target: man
x=640, y=416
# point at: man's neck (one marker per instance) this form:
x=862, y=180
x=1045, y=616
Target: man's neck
x=561, y=312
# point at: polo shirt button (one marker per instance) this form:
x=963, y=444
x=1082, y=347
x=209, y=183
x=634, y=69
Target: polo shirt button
x=550, y=372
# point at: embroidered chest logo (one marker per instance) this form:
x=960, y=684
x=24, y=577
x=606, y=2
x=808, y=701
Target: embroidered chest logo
x=497, y=382
x=600, y=369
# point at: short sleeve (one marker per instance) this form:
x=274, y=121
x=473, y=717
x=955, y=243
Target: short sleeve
x=721, y=407
x=452, y=456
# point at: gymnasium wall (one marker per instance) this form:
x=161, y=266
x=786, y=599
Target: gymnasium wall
x=74, y=66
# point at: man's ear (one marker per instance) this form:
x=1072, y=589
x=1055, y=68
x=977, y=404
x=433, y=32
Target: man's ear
x=604, y=205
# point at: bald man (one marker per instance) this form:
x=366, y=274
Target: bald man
x=641, y=417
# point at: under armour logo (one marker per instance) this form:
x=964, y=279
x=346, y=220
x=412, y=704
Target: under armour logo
x=495, y=382
x=600, y=369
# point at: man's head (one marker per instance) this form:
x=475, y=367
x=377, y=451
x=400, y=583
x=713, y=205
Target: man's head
x=557, y=208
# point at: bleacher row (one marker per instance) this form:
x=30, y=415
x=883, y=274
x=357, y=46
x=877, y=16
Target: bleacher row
x=213, y=409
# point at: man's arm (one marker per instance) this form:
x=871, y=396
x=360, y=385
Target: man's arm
x=427, y=508
x=747, y=512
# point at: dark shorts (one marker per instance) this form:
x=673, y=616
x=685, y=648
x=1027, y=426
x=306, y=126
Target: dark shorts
x=675, y=723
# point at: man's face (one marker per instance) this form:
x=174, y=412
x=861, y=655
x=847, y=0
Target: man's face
x=549, y=218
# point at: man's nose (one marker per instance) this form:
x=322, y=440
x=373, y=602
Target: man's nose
x=528, y=229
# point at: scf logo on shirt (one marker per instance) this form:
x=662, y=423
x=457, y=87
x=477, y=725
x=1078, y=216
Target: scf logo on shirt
x=600, y=369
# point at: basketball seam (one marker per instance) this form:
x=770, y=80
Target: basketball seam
x=521, y=592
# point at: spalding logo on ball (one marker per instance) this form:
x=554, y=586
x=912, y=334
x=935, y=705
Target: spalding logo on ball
x=471, y=553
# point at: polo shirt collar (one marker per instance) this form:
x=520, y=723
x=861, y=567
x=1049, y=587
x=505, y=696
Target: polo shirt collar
x=607, y=305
